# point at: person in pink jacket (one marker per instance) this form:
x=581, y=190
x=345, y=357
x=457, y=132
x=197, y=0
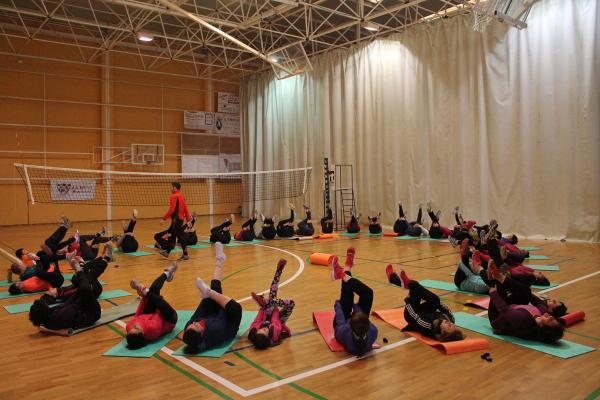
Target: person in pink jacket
x=154, y=316
x=269, y=328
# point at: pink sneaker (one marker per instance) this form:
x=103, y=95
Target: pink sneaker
x=404, y=279
x=389, y=270
x=350, y=257
x=337, y=272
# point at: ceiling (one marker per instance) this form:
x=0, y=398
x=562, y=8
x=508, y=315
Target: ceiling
x=238, y=36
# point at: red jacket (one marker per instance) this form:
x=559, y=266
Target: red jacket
x=177, y=199
x=153, y=325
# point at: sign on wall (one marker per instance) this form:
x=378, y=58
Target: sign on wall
x=230, y=163
x=198, y=120
x=228, y=103
x=72, y=189
x=227, y=124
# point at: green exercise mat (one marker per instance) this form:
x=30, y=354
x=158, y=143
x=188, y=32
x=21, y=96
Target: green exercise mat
x=529, y=248
x=538, y=257
x=433, y=284
x=220, y=350
x=552, y=285
x=24, y=307
x=7, y=283
x=405, y=237
x=175, y=250
x=198, y=246
x=543, y=267
x=349, y=234
x=562, y=348
x=253, y=241
x=136, y=253
x=230, y=244
x=433, y=240
x=121, y=350
x=373, y=234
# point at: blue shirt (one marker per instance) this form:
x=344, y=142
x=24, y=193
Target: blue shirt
x=343, y=331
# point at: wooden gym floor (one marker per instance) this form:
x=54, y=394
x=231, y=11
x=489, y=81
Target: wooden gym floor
x=38, y=366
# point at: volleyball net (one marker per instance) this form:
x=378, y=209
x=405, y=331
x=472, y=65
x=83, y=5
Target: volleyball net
x=98, y=187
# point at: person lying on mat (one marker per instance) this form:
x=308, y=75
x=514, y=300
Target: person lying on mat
x=26, y=267
x=424, y=311
x=247, y=233
x=509, y=263
x=327, y=221
x=305, y=227
x=437, y=231
x=353, y=226
x=515, y=311
x=268, y=230
x=55, y=243
x=127, y=242
x=79, y=310
x=154, y=317
x=217, y=318
x=471, y=272
x=189, y=234
x=41, y=277
x=351, y=324
x=374, y=225
x=178, y=214
x=269, y=328
x=285, y=227
x=416, y=228
x=220, y=233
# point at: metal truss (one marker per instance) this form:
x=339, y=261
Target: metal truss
x=218, y=37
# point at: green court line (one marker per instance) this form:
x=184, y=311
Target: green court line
x=181, y=370
x=275, y=376
x=582, y=335
x=594, y=395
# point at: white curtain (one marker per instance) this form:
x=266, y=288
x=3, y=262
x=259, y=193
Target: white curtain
x=505, y=124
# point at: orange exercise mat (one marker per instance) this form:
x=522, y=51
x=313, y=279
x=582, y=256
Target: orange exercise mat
x=324, y=321
x=395, y=317
x=326, y=236
x=320, y=258
x=393, y=234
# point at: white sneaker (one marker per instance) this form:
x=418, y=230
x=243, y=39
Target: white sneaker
x=203, y=287
x=170, y=271
x=135, y=213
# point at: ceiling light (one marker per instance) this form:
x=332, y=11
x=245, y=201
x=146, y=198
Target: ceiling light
x=275, y=59
x=145, y=37
x=370, y=26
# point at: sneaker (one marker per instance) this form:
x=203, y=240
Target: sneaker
x=134, y=213
x=70, y=256
x=453, y=241
x=164, y=253
x=75, y=264
x=170, y=271
x=221, y=257
x=33, y=256
x=291, y=206
x=194, y=217
x=184, y=257
x=232, y=218
x=259, y=299
x=389, y=271
x=108, y=252
x=101, y=233
x=337, y=272
x=76, y=236
x=350, y=257
x=404, y=279
x=141, y=289
x=65, y=221
x=203, y=287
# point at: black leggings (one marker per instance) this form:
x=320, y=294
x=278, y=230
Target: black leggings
x=90, y=251
x=306, y=228
x=248, y=234
x=282, y=229
x=353, y=226
x=55, y=240
x=154, y=301
x=420, y=298
x=327, y=222
x=434, y=218
x=208, y=307
x=365, y=296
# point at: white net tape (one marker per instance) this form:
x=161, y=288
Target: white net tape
x=481, y=15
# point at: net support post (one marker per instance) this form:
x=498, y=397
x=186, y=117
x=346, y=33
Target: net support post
x=28, y=183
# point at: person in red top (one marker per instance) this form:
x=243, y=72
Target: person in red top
x=154, y=316
x=269, y=328
x=179, y=214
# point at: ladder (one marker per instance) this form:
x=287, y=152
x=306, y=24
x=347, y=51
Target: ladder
x=345, y=202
